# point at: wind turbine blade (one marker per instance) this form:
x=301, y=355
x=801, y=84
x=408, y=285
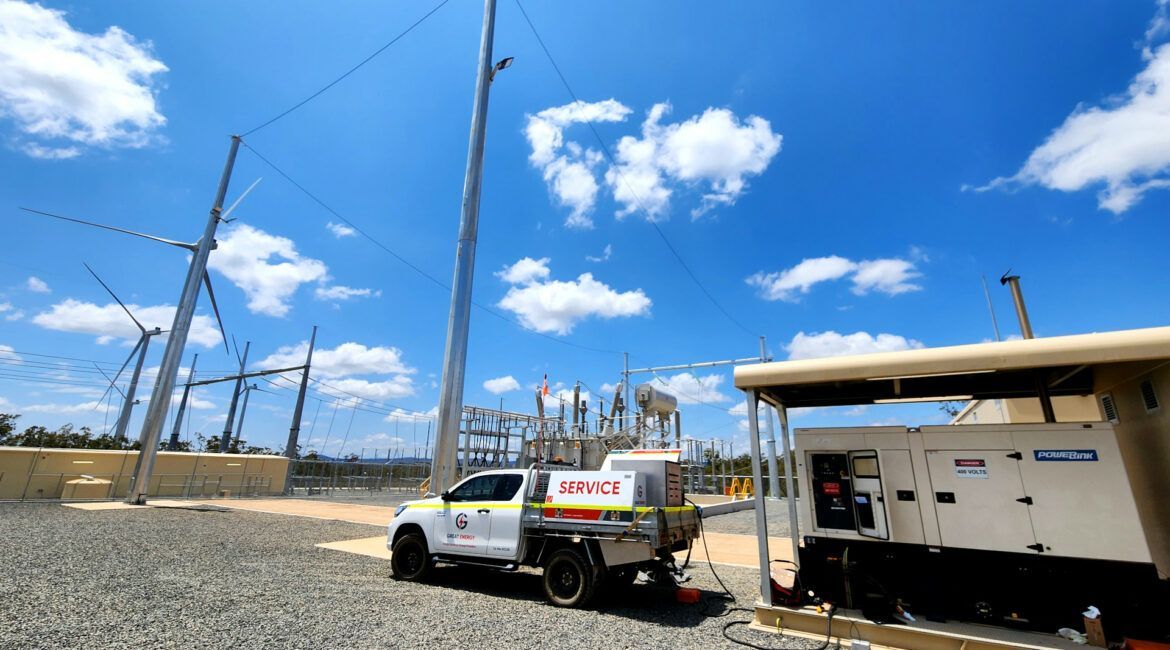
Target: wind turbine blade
x=115, y=296
x=114, y=381
x=190, y=247
x=224, y=216
x=215, y=308
x=112, y=384
x=237, y=349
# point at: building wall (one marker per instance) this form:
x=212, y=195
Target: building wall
x=1068, y=408
x=32, y=473
x=1144, y=438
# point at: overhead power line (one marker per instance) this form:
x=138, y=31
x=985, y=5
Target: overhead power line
x=350, y=71
x=437, y=282
x=613, y=164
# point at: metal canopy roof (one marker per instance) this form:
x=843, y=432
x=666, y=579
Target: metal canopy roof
x=981, y=371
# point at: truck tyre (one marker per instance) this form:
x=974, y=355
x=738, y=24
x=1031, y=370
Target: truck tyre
x=568, y=580
x=410, y=560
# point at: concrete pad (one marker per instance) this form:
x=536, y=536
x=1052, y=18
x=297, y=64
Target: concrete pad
x=368, y=546
x=736, y=550
x=102, y=505
x=353, y=513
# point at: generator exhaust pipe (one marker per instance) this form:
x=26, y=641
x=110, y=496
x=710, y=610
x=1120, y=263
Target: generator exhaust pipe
x=1013, y=283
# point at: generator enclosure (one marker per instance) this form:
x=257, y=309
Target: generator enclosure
x=661, y=468
x=1001, y=523
x=1058, y=489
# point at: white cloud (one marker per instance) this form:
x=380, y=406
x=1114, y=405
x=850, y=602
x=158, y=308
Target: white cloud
x=37, y=285
x=1122, y=145
x=501, y=385
x=545, y=130
x=605, y=255
x=7, y=353
x=345, y=360
x=714, y=151
x=888, y=275
x=782, y=285
x=557, y=306
x=525, y=271
x=245, y=256
x=10, y=312
x=396, y=387
x=339, y=292
x=692, y=389
x=340, y=230
x=832, y=344
x=61, y=408
x=65, y=89
x=108, y=322
x=568, y=168
x=402, y=415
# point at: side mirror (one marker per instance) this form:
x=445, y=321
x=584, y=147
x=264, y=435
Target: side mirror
x=446, y=496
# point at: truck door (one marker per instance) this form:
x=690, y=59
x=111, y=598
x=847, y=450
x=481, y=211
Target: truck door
x=507, y=506
x=463, y=524
x=868, y=502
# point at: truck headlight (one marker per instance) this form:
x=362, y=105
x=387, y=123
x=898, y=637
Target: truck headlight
x=399, y=509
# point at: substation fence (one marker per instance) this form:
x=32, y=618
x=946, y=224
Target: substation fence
x=341, y=478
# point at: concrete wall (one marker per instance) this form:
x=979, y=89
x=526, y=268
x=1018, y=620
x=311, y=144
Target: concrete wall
x=31, y=473
x=1144, y=439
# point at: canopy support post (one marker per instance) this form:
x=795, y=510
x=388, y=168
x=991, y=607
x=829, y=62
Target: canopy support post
x=761, y=513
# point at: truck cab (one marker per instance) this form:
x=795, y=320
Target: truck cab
x=580, y=527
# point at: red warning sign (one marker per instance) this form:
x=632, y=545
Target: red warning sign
x=831, y=489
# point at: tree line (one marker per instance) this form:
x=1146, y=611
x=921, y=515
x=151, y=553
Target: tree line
x=69, y=437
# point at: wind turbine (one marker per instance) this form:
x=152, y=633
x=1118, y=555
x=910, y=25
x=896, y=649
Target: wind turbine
x=235, y=445
x=140, y=348
x=184, y=312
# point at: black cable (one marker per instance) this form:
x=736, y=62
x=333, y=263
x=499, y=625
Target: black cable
x=351, y=70
x=411, y=266
x=727, y=596
x=613, y=163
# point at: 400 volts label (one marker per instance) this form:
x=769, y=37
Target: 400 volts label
x=971, y=468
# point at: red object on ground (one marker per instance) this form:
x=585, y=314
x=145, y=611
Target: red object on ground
x=1134, y=644
x=687, y=596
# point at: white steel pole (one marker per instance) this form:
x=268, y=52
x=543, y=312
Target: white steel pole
x=789, y=482
x=445, y=459
x=173, y=355
x=226, y=440
x=761, y=513
x=174, y=442
x=773, y=474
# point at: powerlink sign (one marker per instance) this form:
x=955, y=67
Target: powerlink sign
x=1066, y=454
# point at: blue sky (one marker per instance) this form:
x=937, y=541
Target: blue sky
x=839, y=178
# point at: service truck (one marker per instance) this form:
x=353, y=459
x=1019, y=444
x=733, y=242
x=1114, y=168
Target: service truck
x=582, y=528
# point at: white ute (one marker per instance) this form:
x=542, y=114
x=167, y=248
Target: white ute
x=583, y=528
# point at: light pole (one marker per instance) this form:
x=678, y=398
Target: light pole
x=445, y=461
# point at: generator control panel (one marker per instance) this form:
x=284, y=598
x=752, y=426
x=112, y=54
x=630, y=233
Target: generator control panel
x=832, y=491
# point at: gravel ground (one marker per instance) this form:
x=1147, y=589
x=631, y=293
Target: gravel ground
x=744, y=521
x=219, y=578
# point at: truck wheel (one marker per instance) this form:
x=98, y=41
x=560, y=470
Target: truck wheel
x=409, y=559
x=568, y=579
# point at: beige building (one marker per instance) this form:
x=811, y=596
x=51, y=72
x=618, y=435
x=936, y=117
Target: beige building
x=37, y=473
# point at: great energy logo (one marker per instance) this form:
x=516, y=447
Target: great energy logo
x=1066, y=454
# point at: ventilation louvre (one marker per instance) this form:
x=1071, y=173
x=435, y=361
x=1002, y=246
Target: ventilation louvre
x=1149, y=395
x=1109, y=408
